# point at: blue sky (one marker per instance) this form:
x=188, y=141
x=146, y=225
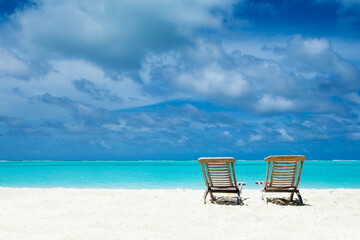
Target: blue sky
x=131, y=80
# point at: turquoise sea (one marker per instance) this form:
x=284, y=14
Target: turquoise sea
x=162, y=174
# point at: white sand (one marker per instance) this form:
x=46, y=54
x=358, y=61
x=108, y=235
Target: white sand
x=59, y=213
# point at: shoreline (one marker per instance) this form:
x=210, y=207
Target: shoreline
x=166, y=189
x=162, y=160
x=85, y=213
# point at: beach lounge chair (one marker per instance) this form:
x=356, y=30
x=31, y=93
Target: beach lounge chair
x=284, y=170
x=218, y=176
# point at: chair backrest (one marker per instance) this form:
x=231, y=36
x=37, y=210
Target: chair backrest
x=284, y=170
x=217, y=171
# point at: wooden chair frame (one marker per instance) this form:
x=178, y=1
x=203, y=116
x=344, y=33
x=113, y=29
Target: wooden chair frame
x=218, y=176
x=284, y=171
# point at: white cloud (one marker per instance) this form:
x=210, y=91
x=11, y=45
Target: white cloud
x=182, y=140
x=255, y=138
x=302, y=82
x=105, y=145
x=346, y=48
x=269, y=103
x=240, y=143
x=314, y=46
x=354, y=97
x=12, y=65
x=214, y=81
x=313, y=56
x=59, y=82
x=146, y=52
x=117, y=127
x=227, y=134
x=152, y=61
x=355, y=136
x=285, y=136
x=114, y=34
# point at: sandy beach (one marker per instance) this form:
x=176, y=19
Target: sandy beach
x=60, y=213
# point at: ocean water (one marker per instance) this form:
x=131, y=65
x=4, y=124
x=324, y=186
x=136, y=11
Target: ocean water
x=162, y=174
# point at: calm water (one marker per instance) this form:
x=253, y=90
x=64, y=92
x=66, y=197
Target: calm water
x=162, y=174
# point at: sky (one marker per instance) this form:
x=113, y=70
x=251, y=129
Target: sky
x=179, y=79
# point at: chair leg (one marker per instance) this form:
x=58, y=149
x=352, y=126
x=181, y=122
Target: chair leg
x=291, y=196
x=205, y=195
x=212, y=196
x=262, y=190
x=264, y=197
x=238, y=198
x=300, y=198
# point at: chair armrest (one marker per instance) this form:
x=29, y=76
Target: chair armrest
x=240, y=185
x=261, y=185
